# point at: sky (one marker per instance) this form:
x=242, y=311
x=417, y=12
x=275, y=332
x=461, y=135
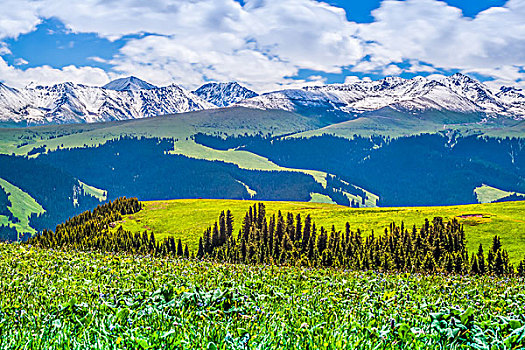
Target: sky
x=263, y=44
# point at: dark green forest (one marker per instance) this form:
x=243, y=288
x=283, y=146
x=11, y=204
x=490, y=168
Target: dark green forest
x=428, y=169
x=142, y=167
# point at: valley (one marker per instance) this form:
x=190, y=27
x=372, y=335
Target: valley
x=338, y=144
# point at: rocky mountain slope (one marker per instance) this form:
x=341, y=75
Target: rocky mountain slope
x=132, y=98
x=122, y=99
x=457, y=93
x=224, y=94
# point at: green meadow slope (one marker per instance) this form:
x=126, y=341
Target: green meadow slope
x=22, y=207
x=188, y=218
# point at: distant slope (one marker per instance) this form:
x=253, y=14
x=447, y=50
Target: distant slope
x=230, y=121
x=488, y=194
x=22, y=207
x=187, y=219
x=391, y=122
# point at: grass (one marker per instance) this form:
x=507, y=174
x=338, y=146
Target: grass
x=22, y=206
x=188, y=218
x=60, y=299
x=99, y=194
x=487, y=194
x=320, y=198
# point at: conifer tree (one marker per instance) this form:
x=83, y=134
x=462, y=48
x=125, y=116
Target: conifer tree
x=179, y=248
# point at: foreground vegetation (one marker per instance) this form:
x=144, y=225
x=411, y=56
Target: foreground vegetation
x=84, y=286
x=74, y=300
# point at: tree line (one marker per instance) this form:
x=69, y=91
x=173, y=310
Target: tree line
x=285, y=239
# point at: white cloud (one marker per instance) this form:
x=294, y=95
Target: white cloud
x=433, y=32
x=4, y=50
x=256, y=45
x=46, y=75
x=20, y=62
x=265, y=43
x=18, y=17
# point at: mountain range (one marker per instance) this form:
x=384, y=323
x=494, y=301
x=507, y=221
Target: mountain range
x=132, y=98
x=457, y=93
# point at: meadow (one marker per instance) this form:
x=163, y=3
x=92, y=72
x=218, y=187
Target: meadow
x=87, y=300
x=188, y=218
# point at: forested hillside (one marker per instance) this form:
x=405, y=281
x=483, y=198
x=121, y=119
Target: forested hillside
x=428, y=169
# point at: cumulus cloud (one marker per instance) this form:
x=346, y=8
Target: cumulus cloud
x=261, y=45
x=18, y=17
x=46, y=75
x=20, y=62
x=430, y=31
x=265, y=44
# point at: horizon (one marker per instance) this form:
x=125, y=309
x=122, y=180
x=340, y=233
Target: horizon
x=436, y=78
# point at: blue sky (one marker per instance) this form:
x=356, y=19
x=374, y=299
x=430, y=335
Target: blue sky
x=261, y=43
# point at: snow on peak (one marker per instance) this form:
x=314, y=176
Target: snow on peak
x=457, y=93
x=128, y=84
x=76, y=103
x=224, y=94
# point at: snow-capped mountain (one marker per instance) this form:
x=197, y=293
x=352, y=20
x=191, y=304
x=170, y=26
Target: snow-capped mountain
x=224, y=94
x=130, y=83
x=457, y=93
x=131, y=98
x=127, y=98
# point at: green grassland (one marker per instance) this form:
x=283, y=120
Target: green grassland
x=389, y=122
x=22, y=206
x=187, y=219
x=487, y=194
x=99, y=194
x=65, y=299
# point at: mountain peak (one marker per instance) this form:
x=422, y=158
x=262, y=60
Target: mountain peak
x=130, y=83
x=224, y=94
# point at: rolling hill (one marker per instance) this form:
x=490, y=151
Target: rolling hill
x=187, y=219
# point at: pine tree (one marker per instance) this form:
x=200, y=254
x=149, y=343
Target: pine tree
x=474, y=269
x=179, y=248
x=481, y=260
x=496, y=244
x=229, y=223
x=429, y=263
x=200, y=252
x=499, y=267
x=306, y=234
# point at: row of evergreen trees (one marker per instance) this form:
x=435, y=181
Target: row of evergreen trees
x=436, y=246
x=92, y=231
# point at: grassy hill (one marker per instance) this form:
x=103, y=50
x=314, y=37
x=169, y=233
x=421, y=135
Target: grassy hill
x=231, y=121
x=22, y=206
x=187, y=219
